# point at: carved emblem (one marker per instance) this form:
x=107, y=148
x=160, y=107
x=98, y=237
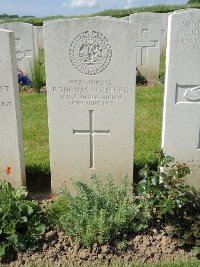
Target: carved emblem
x=90, y=52
x=193, y=94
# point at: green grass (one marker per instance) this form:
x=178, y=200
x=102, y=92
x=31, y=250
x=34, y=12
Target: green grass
x=148, y=124
x=35, y=133
x=192, y=263
x=162, y=69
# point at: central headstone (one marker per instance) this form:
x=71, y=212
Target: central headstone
x=181, y=119
x=90, y=70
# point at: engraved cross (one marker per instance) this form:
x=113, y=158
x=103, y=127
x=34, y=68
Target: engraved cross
x=91, y=133
x=145, y=45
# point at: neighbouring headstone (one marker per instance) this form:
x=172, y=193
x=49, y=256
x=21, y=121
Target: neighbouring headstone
x=11, y=147
x=148, y=43
x=24, y=43
x=90, y=71
x=36, y=42
x=163, y=37
x=124, y=18
x=40, y=37
x=181, y=119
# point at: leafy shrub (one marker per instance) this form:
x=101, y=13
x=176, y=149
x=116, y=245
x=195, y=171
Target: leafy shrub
x=167, y=197
x=20, y=220
x=37, y=75
x=162, y=191
x=100, y=212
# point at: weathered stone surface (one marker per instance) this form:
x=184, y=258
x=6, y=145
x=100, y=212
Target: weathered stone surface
x=181, y=119
x=90, y=69
x=11, y=148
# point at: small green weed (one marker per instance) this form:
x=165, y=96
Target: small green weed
x=98, y=213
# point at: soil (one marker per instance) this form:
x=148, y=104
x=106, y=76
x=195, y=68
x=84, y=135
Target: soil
x=58, y=250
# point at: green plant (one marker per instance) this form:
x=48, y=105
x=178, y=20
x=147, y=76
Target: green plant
x=20, y=220
x=166, y=196
x=37, y=75
x=100, y=212
x=163, y=191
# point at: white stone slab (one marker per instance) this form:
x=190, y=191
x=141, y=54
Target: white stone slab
x=24, y=43
x=163, y=37
x=181, y=118
x=125, y=18
x=36, y=42
x=148, y=43
x=11, y=148
x=40, y=37
x=90, y=72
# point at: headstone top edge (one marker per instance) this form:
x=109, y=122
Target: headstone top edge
x=17, y=23
x=6, y=31
x=76, y=20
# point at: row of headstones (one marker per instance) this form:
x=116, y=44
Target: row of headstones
x=28, y=41
x=151, y=40
x=90, y=67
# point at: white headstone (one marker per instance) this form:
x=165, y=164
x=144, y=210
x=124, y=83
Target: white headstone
x=148, y=43
x=163, y=39
x=36, y=42
x=181, y=119
x=40, y=37
x=90, y=72
x=24, y=43
x=124, y=18
x=11, y=148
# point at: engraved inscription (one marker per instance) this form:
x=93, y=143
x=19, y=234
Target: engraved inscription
x=189, y=35
x=90, y=52
x=90, y=92
x=5, y=104
x=4, y=89
x=91, y=133
x=187, y=93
